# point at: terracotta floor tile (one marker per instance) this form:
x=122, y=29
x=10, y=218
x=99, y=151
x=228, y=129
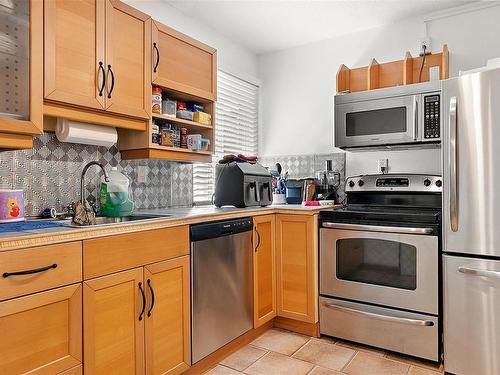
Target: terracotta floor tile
x=222, y=370
x=415, y=361
x=364, y=364
x=280, y=341
x=362, y=348
x=414, y=370
x=325, y=354
x=243, y=357
x=278, y=364
x=323, y=371
x=327, y=339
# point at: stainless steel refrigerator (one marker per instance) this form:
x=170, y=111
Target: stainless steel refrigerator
x=471, y=223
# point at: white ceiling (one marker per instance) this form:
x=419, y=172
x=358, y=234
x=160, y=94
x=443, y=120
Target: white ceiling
x=264, y=26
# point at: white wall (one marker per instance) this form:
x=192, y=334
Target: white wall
x=231, y=57
x=298, y=84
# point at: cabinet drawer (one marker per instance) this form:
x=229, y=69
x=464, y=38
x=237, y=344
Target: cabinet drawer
x=48, y=266
x=102, y=256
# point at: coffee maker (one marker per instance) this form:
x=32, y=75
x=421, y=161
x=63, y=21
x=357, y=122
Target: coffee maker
x=328, y=182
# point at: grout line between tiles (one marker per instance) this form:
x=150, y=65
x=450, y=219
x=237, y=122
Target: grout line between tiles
x=307, y=342
x=349, y=362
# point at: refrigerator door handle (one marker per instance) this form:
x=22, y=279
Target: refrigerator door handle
x=478, y=272
x=453, y=164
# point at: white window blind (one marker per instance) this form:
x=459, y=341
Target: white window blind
x=236, y=130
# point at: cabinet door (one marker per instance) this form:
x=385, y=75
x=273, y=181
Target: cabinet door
x=74, y=52
x=264, y=270
x=128, y=75
x=21, y=24
x=183, y=64
x=168, y=346
x=297, y=284
x=42, y=333
x=113, y=323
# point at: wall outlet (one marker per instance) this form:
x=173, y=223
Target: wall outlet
x=425, y=41
x=141, y=174
x=383, y=165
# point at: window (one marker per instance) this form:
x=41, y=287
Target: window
x=236, y=130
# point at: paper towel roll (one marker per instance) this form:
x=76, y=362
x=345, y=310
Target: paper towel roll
x=83, y=133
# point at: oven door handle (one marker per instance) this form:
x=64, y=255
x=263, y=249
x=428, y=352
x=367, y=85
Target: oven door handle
x=385, y=318
x=377, y=228
x=478, y=272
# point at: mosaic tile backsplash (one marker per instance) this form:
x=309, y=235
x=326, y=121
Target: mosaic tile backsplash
x=49, y=174
x=299, y=166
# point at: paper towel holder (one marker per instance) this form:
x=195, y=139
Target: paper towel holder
x=85, y=133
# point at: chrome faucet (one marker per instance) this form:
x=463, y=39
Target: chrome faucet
x=82, y=181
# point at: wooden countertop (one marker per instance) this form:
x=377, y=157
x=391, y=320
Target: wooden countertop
x=177, y=216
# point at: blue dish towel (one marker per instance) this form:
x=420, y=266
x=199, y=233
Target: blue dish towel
x=28, y=225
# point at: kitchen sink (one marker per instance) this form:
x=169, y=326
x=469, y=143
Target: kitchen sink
x=106, y=221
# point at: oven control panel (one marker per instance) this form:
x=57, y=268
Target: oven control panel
x=407, y=183
x=432, y=118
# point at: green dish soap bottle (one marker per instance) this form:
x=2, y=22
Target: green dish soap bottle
x=115, y=196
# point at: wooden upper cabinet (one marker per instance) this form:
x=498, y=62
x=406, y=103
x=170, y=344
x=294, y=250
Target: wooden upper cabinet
x=183, y=64
x=128, y=77
x=74, y=52
x=42, y=333
x=21, y=54
x=168, y=343
x=264, y=277
x=296, y=261
x=113, y=324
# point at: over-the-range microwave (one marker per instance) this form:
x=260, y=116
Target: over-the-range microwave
x=401, y=115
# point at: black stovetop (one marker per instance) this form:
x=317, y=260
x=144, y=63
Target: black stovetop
x=383, y=213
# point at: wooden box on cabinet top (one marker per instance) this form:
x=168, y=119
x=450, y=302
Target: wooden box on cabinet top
x=106, y=255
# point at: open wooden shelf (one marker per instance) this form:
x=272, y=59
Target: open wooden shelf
x=394, y=73
x=170, y=153
x=187, y=123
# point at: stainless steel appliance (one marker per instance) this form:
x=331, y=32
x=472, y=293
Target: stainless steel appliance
x=471, y=223
x=379, y=264
x=242, y=184
x=221, y=284
x=392, y=116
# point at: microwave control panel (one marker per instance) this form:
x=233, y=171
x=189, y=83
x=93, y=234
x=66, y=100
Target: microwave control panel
x=432, y=119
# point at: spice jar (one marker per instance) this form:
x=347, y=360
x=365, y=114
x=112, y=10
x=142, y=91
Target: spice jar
x=156, y=100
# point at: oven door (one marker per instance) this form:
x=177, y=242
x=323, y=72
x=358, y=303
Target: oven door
x=377, y=122
x=377, y=265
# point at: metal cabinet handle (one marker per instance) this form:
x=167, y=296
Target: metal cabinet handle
x=155, y=48
x=376, y=228
x=385, y=318
x=112, y=81
x=143, y=301
x=152, y=298
x=453, y=164
x=415, y=118
x=478, y=272
x=258, y=239
x=101, y=69
x=29, y=272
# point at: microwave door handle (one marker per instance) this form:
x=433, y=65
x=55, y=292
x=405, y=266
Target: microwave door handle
x=386, y=318
x=453, y=149
x=415, y=118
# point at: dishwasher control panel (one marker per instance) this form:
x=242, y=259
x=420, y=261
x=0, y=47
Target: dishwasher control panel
x=205, y=231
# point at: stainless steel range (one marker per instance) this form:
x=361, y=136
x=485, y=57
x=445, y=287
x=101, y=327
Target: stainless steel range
x=379, y=264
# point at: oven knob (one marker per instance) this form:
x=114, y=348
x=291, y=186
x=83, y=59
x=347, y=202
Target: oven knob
x=427, y=182
x=351, y=183
x=439, y=183
x=361, y=183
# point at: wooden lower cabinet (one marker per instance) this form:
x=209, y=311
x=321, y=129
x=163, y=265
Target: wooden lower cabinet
x=297, y=264
x=138, y=321
x=113, y=326
x=41, y=333
x=168, y=342
x=264, y=274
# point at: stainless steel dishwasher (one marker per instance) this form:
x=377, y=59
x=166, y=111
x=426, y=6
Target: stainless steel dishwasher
x=221, y=284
